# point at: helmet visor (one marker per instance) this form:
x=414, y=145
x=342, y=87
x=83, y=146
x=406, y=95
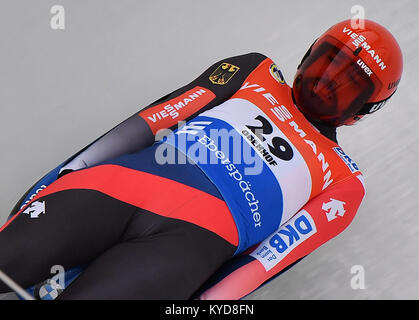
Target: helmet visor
x=333, y=83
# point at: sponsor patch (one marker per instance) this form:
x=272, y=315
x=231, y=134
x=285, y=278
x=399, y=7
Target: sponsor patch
x=288, y=237
x=223, y=73
x=359, y=41
x=348, y=161
x=241, y=175
x=166, y=114
x=333, y=209
x=393, y=84
x=276, y=73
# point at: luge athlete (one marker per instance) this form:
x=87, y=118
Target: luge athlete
x=253, y=181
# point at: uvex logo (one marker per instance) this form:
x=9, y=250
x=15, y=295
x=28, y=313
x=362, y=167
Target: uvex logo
x=364, y=67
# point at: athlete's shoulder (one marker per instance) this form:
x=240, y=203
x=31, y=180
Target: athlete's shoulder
x=251, y=56
x=259, y=65
x=245, y=63
x=346, y=161
x=262, y=58
x=345, y=169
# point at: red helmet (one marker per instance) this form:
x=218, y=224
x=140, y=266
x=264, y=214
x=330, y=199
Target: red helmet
x=348, y=73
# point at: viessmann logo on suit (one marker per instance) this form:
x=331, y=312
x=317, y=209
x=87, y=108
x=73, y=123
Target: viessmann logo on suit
x=166, y=114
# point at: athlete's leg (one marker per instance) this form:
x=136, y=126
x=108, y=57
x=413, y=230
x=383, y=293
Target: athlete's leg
x=159, y=258
x=74, y=227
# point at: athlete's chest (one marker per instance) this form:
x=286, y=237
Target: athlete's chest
x=302, y=161
x=265, y=158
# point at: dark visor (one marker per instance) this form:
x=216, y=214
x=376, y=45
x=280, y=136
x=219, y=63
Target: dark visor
x=333, y=83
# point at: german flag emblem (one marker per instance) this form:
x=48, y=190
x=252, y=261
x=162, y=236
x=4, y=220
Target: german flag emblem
x=223, y=73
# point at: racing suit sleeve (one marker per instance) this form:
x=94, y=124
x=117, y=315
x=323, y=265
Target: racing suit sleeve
x=320, y=220
x=214, y=86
